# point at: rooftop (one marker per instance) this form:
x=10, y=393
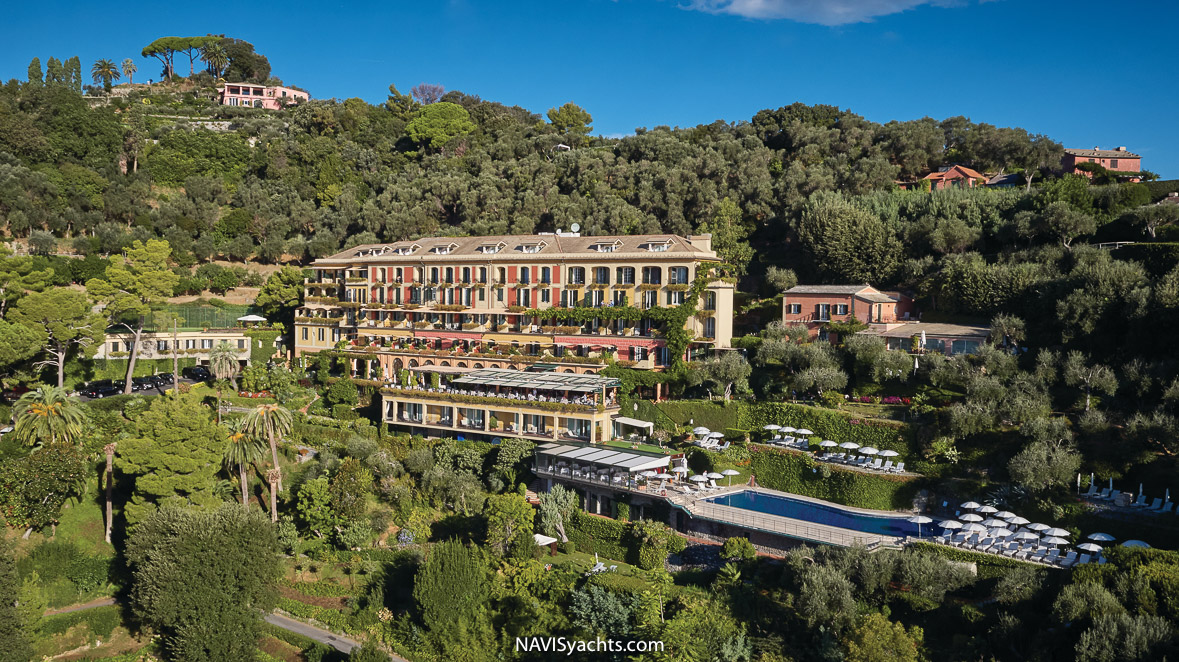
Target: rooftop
x=628, y=460
x=551, y=381
x=827, y=289
x=935, y=329
x=962, y=170
x=521, y=245
x=1119, y=153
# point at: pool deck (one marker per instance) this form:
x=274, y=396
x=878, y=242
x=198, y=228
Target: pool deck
x=697, y=506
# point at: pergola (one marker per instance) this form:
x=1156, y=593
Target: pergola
x=550, y=456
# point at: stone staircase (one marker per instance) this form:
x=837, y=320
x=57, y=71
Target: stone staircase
x=533, y=493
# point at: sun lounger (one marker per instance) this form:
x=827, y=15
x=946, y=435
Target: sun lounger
x=1010, y=549
x=1068, y=561
x=875, y=465
x=613, y=568
x=1104, y=494
x=1092, y=491
x=1167, y=507
x=984, y=544
x=887, y=467
x=1140, y=502
x=1085, y=558
x=900, y=468
x=1100, y=560
x=1053, y=556
x=1155, y=505
x=1038, y=555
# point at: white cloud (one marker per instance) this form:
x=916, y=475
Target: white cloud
x=823, y=12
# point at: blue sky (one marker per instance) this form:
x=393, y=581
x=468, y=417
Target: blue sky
x=1086, y=73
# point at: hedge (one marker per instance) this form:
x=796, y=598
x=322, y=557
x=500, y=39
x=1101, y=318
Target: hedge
x=321, y=589
x=830, y=424
x=967, y=556
x=1157, y=257
x=606, y=537
x=712, y=415
x=792, y=472
x=333, y=619
x=100, y=620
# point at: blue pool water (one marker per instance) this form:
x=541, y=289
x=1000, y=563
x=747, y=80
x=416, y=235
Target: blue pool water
x=772, y=504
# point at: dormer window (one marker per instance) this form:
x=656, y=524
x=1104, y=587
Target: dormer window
x=443, y=249
x=656, y=246
x=491, y=248
x=607, y=247
x=532, y=247
x=405, y=250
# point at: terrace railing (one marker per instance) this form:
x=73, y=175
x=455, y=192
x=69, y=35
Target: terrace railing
x=785, y=526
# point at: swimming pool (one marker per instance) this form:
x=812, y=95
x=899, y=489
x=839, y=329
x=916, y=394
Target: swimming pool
x=831, y=515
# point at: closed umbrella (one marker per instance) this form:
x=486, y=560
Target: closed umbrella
x=1019, y=521
x=971, y=517
x=730, y=473
x=888, y=453
x=919, y=520
x=950, y=524
x=971, y=505
x=1100, y=537
x=1089, y=547
x=849, y=445
x=827, y=443
x=986, y=510
x=1053, y=540
x=1004, y=514
x=1057, y=531
x=1135, y=543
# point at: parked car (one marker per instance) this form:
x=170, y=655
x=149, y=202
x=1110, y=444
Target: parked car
x=165, y=378
x=107, y=391
x=143, y=383
x=15, y=392
x=91, y=389
x=197, y=373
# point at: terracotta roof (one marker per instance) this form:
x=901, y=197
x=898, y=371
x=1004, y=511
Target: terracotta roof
x=961, y=171
x=1102, y=153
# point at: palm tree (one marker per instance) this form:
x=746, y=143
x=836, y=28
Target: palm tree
x=272, y=423
x=274, y=477
x=109, y=449
x=243, y=449
x=215, y=57
x=47, y=414
x=224, y=366
x=104, y=71
x=129, y=70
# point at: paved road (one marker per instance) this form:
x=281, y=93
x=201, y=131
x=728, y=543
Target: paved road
x=336, y=641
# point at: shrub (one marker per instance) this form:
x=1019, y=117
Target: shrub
x=739, y=549
x=101, y=621
x=794, y=472
x=89, y=572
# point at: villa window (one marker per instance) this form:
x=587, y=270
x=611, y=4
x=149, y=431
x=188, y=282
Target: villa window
x=841, y=309
x=546, y=275
x=1113, y=163
x=577, y=275
x=624, y=276
x=434, y=275
x=304, y=333
x=710, y=327
x=652, y=275
x=466, y=274
x=650, y=299
x=710, y=300
x=545, y=296
x=677, y=275
x=794, y=308
x=525, y=275
x=602, y=275
x=320, y=335
x=483, y=275
x=675, y=298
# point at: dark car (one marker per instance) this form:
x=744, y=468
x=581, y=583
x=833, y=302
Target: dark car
x=165, y=378
x=106, y=391
x=15, y=392
x=143, y=383
x=91, y=389
x=197, y=373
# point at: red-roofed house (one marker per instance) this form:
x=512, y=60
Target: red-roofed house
x=955, y=177
x=812, y=305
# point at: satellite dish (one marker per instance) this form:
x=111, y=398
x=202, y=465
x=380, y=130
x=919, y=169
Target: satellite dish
x=576, y=227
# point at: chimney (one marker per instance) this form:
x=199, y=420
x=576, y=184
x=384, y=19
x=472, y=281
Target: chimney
x=1122, y=148
x=1096, y=148
x=701, y=241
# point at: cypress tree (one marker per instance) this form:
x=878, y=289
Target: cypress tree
x=35, y=71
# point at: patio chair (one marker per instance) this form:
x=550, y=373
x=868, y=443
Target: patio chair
x=941, y=540
x=900, y=468
x=875, y=465
x=1085, y=558
x=1155, y=505
x=1140, y=502
x=984, y=543
x=1010, y=549
x=1092, y=491
x=1039, y=554
x=1068, y=561
x=613, y=568
x=887, y=468
x=1052, y=557
x=722, y=447
x=1167, y=507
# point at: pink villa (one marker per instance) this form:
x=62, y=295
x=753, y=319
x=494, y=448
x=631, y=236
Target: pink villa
x=1119, y=160
x=260, y=96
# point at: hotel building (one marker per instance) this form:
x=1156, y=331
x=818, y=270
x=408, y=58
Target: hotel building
x=453, y=305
